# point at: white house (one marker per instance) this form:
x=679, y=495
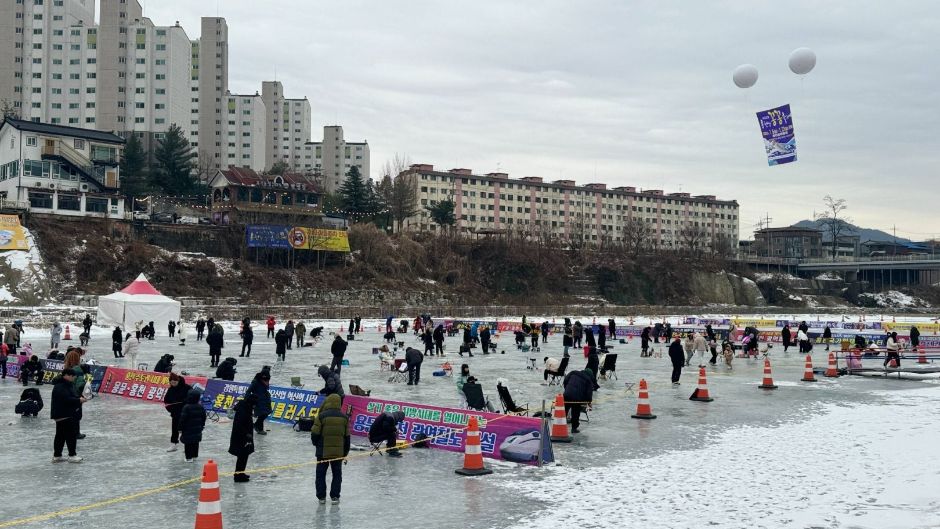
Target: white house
x=60, y=170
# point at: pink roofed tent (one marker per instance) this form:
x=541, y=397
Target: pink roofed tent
x=137, y=302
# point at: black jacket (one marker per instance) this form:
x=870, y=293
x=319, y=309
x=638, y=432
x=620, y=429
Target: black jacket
x=338, y=348
x=413, y=357
x=200, y=325
x=439, y=334
x=383, y=427
x=645, y=335
x=709, y=333
x=803, y=327
x=280, y=342
x=116, y=339
x=589, y=337
x=593, y=361
x=192, y=419
x=65, y=401
x=602, y=338
x=428, y=339
x=827, y=332
x=242, y=441
x=676, y=353
x=667, y=329
x=485, y=336
x=466, y=336
x=579, y=387
x=163, y=365
x=226, y=369
x=175, y=397
x=260, y=390
x=915, y=336
x=215, y=341
x=248, y=335
x=567, y=340
x=786, y=336
x=331, y=382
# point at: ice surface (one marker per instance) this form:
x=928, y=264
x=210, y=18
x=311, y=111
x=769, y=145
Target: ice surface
x=847, y=452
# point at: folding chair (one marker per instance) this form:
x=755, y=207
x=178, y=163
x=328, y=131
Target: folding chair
x=397, y=374
x=358, y=391
x=207, y=403
x=609, y=368
x=475, y=398
x=295, y=382
x=509, y=406
x=557, y=376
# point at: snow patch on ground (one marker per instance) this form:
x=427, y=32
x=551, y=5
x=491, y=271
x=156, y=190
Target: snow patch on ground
x=428, y=281
x=828, y=276
x=30, y=266
x=839, y=469
x=6, y=296
x=765, y=276
x=893, y=298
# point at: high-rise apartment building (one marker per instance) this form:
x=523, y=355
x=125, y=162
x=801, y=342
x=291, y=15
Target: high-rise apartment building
x=246, y=132
x=288, y=125
x=213, y=85
x=334, y=157
x=494, y=203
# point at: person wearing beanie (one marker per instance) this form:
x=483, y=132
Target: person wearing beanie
x=192, y=422
x=173, y=401
x=579, y=392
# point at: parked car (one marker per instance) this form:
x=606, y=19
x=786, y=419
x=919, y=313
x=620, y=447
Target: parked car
x=141, y=215
x=205, y=220
x=187, y=220
x=162, y=217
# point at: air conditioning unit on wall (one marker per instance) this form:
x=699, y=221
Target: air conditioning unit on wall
x=51, y=186
x=84, y=187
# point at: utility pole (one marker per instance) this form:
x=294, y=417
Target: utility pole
x=894, y=232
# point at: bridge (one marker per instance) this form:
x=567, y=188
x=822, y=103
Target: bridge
x=887, y=270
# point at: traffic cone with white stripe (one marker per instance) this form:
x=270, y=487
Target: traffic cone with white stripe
x=472, y=453
x=808, y=375
x=560, y=433
x=209, y=510
x=68, y=333
x=701, y=392
x=643, y=408
x=768, y=382
x=832, y=370
x=921, y=355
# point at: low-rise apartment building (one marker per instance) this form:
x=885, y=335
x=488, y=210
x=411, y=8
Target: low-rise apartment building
x=561, y=209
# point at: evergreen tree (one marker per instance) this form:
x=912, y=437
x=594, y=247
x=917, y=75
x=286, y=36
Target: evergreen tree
x=356, y=195
x=442, y=213
x=173, y=171
x=134, y=170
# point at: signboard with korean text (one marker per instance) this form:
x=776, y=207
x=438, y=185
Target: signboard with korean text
x=776, y=126
x=287, y=404
x=296, y=237
x=508, y=437
x=141, y=385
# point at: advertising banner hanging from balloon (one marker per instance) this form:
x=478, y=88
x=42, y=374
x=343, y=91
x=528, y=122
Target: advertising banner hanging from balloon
x=776, y=125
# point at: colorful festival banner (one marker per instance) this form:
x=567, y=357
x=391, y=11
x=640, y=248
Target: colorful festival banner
x=296, y=237
x=12, y=236
x=142, y=385
x=776, y=126
x=508, y=437
x=287, y=404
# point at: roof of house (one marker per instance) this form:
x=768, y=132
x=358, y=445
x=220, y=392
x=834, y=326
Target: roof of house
x=242, y=176
x=62, y=130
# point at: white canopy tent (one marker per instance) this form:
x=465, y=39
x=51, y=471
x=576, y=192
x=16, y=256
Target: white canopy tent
x=138, y=301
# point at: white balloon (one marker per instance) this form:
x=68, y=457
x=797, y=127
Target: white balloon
x=745, y=76
x=802, y=61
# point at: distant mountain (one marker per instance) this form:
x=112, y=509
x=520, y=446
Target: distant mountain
x=863, y=233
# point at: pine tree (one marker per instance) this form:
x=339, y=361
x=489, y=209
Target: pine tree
x=134, y=170
x=442, y=213
x=355, y=195
x=173, y=171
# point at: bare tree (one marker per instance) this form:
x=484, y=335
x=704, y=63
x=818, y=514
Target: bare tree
x=204, y=167
x=399, y=189
x=834, y=221
x=397, y=165
x=637, y=236
x=693, y=238
x=7, y=110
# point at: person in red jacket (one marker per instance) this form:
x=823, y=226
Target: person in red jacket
x=270, y=326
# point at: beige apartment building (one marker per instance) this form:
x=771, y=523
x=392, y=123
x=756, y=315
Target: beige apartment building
x=212, y=73
x=561, y=209
x=334, y=157
x=288, y=125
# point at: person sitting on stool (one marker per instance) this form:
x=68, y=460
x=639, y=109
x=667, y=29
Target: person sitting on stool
x=385, y=428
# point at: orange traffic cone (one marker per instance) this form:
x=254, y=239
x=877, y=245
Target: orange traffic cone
x=209, y=510
x=643, y=409
x=921, y=355
x=832, y=370
x=768, y=382
x=808, y=375
x=560, y=432
x=701, y=392
x=68, y=333
x=472, y=453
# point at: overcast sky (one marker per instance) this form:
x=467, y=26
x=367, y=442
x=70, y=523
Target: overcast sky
x=621, y=92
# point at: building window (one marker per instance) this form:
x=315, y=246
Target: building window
x=40, y=200
x=70, y=202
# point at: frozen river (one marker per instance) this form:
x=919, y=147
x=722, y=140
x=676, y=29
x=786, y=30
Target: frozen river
x=851, y=452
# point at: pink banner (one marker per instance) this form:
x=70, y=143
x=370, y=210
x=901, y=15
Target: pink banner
x=507, y=437
x=141, y=385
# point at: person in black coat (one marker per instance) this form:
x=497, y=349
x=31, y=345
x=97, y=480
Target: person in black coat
x=192, y=422
x=485, y=340
x=280, y=344
x=338, y=349
x=64, y=410
x=248, y=336
x=645, y=342
x=545, y=328
x=578, y=332
x=589, y=337
x=385, y=429
x=259, y=388
x=439, y=340
x=667, y=331
x=200, y=328
x=242, y=443
x=289, y=332
x=171, y=328
x=467, y=342
x=567, y=340
x=657, y=332
x=803, y=327
x=413, y=358
x=611, y=327
x=593, y=364
x=116, y=342
x=601, y=338
x=827, y=336
x=226, y=370
x=677, y=356
x=173, y=401
x=331, y=382
x=579, y=391
x=915, y=337
x=215, y=342
x=32, y=368
x=786, y=337
x=427, y=336
x=164, y=364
